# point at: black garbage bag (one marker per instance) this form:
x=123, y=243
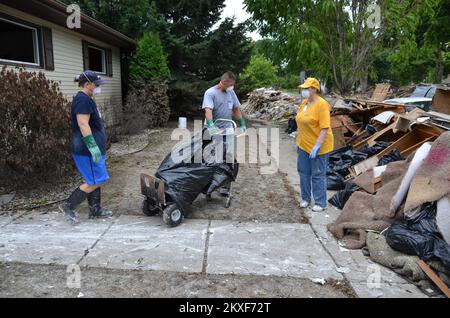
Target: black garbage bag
x=341, y=197
x=186, y=178
x=342, y=159
x=394, y=155
x=420, y=236
x=292, y=126
x=370, y=130
x=375, y=149
x=354, y=156
x=335, y=181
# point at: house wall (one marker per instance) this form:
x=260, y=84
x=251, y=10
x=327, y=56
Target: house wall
x=68, y=59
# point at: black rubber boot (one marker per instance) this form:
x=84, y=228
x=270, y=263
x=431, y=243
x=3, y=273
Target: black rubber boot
x=95, y=208
x=70, y=205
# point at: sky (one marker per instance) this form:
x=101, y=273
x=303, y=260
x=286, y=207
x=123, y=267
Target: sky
x=236, y=8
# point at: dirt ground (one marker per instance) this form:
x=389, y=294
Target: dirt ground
x=44, y=281
x=257, y=197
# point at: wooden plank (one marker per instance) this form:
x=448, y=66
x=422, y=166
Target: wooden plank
x=365, y=165
x=381, y=91
x=435, y=278
x=370, y=141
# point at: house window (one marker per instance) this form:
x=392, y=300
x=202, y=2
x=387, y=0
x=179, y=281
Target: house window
x=20, y=43
x=97, y=59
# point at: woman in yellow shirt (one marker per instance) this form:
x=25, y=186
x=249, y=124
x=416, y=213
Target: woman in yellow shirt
x=315, y=141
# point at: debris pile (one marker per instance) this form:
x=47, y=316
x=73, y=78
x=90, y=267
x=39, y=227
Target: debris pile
x=267, y=104
x=147, y=106
x=390, y=171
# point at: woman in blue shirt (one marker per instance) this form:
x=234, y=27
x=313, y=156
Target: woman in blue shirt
x=88, y=149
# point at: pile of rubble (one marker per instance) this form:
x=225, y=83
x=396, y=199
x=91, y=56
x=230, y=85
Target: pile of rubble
x=268, y=104
x=147, y=106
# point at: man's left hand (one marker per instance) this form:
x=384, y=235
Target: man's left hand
x=243, y=125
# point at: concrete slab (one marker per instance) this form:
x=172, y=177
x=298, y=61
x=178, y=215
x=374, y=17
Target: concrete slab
x=323, y=218
x=268, y=249
x=148, y=244
x=48, y=239
x=6, y=198
x=8, y=217
x=361, y=268
x=388, y=291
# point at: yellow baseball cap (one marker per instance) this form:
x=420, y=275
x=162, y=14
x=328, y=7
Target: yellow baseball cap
x=311, y=82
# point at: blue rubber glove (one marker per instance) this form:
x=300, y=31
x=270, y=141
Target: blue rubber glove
x=315, y=151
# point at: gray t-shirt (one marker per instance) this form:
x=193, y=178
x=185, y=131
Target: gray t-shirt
x=222, y=104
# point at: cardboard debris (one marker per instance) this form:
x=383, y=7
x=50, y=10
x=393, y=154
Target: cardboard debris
x=441, y=100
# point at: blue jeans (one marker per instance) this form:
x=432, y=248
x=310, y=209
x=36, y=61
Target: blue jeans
x=313, y=172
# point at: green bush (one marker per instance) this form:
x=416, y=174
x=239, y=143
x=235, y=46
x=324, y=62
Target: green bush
x=289, y=82
x=149, y=62
x=35, y=128
x=259, y=73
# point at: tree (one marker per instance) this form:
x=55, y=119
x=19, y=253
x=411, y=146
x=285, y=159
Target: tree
x=416, y=47
x=228, y=49
x=186, y=32
x=337, y=40
x=259, y=73
x=149, y=62
x=130, y=17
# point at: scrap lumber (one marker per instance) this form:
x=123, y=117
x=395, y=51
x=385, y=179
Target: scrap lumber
x=435, y=278
x=380, y=93
x=406, y=145
x=441, y=100
x=405, y=121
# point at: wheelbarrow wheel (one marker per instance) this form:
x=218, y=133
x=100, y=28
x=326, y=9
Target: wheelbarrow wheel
x=149, y=209
x=172, y=215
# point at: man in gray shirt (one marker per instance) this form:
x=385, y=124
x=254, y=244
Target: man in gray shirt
x=221, y=102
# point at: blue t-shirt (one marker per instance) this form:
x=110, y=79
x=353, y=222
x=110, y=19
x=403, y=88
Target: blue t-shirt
x=84, y=105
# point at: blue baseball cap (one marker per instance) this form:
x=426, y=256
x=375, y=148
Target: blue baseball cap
x=91, y=77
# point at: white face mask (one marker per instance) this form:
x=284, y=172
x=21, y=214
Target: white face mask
x=230, y=89
x=306, y=94
x=97, y=91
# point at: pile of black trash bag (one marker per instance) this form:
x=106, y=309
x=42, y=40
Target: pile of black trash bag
x=292, y=126
x=420, y=235
x=343, y=159
x=340, y=162
x=341, y=197
x=196, y=170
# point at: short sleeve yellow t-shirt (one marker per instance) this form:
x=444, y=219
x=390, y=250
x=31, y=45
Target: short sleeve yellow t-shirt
x=310, y=121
